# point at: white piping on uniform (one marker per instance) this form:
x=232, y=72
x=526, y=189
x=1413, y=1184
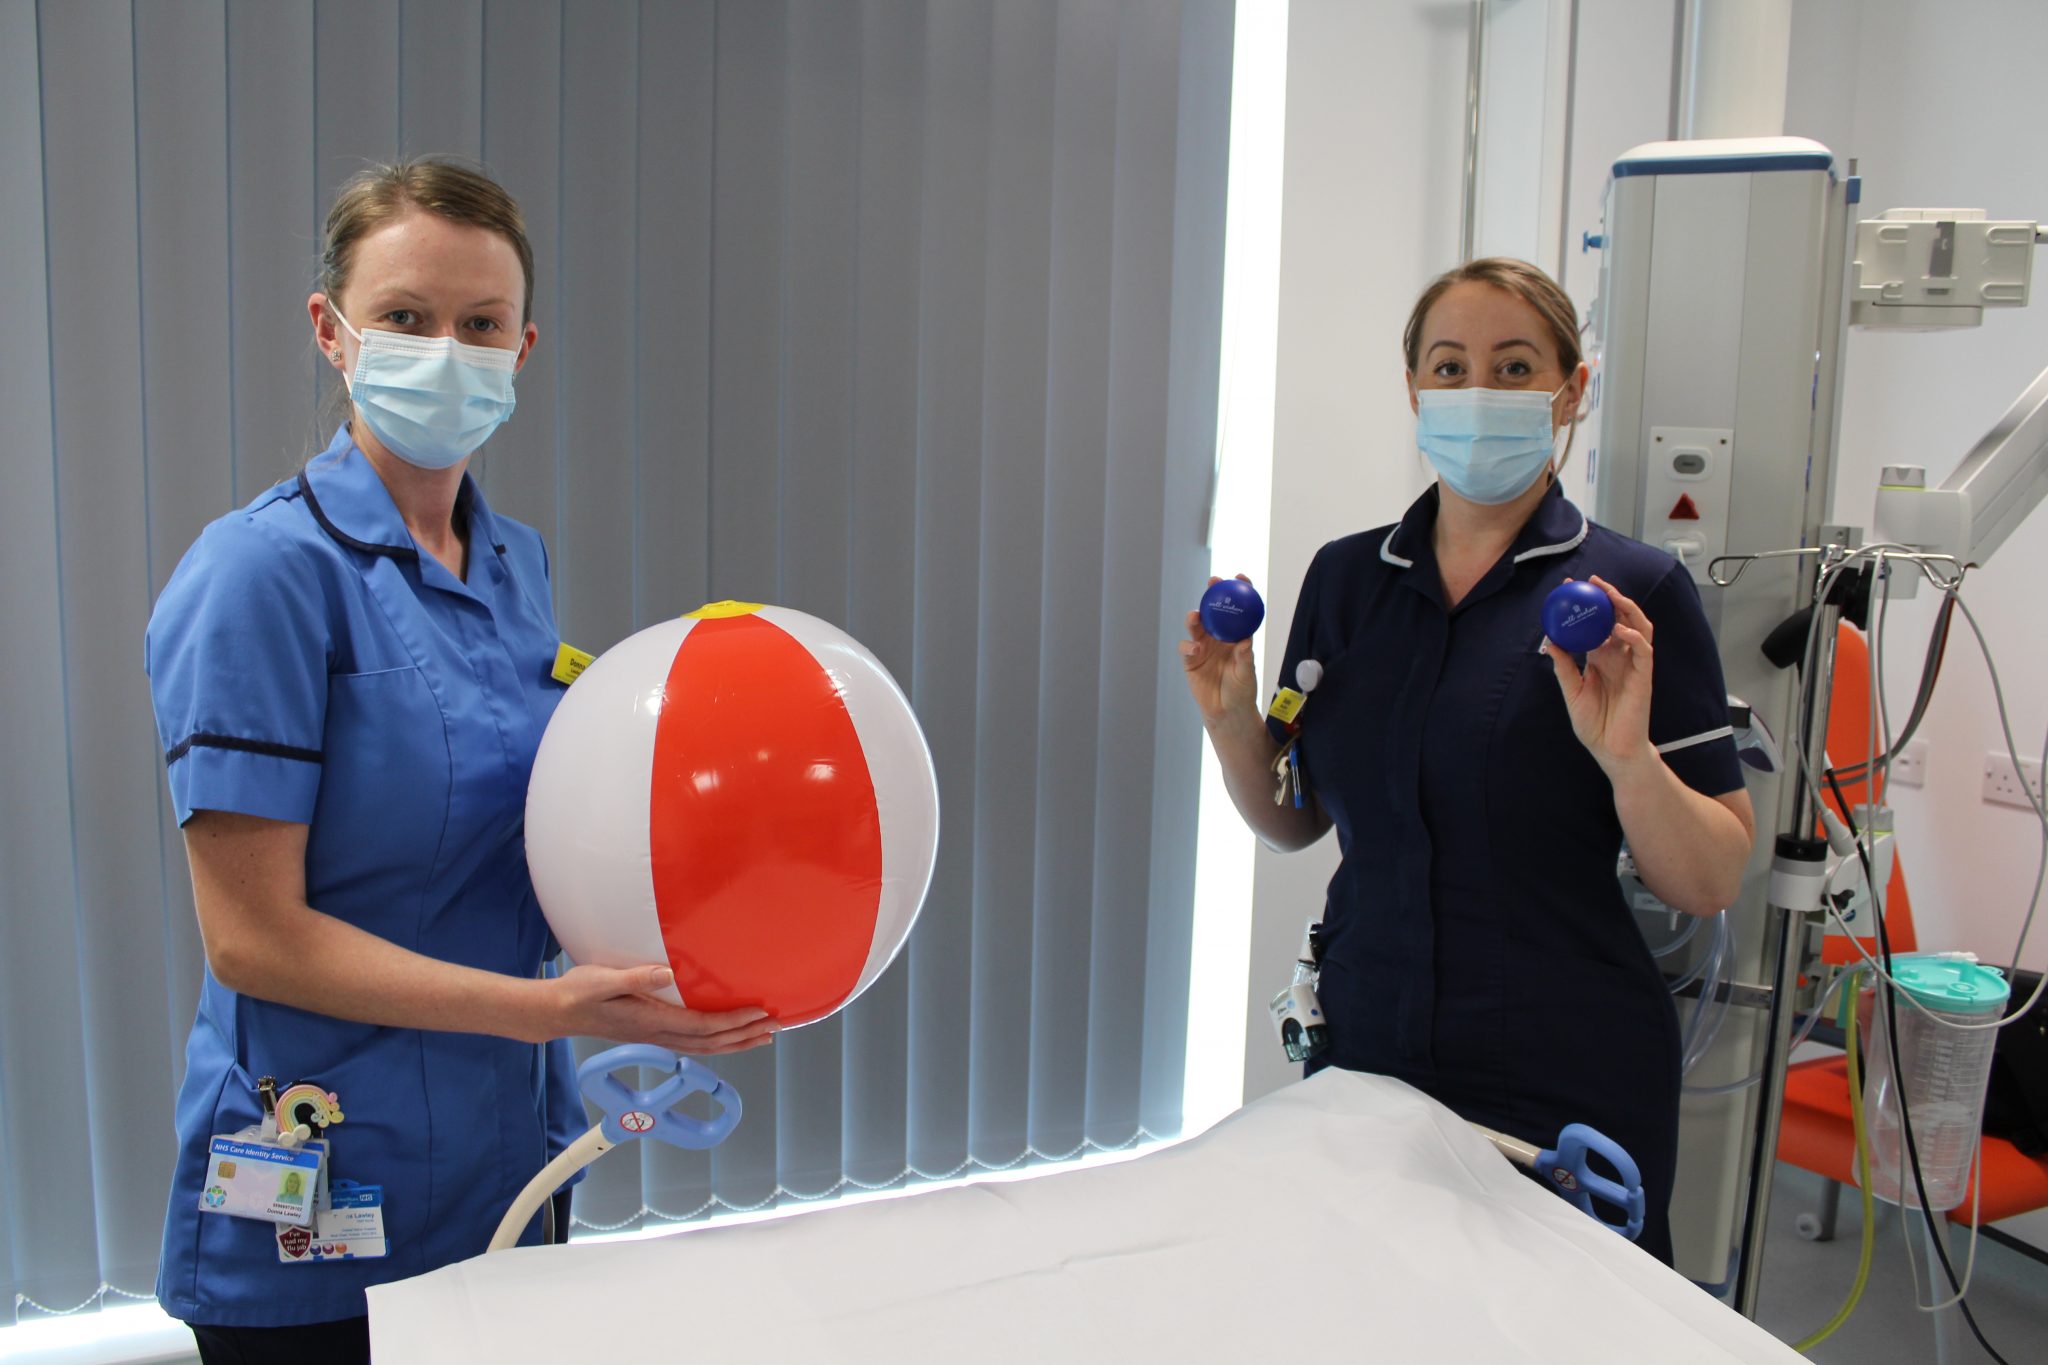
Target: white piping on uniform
x=1562, y=548
x=1703, y=737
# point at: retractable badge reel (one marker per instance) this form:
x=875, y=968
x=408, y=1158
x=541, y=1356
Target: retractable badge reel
x=630, y=1112
x=1297, y=1013
x=274, y=1170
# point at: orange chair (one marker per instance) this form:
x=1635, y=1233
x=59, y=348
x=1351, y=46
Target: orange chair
x=1816, y=1136
x=1816, y=1133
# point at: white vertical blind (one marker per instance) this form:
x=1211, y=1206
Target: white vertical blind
x=905, y=315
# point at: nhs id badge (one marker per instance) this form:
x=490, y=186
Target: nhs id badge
x=350, y=1227
x=249, y=1177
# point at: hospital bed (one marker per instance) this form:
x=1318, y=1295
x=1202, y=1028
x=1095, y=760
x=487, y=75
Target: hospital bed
x=1347, y=1213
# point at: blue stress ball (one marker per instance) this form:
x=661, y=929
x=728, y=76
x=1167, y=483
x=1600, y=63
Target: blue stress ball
x=1578, y=617
x=1231, y=610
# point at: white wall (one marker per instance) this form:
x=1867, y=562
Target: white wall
x=1522, y=148
x=1621, y=99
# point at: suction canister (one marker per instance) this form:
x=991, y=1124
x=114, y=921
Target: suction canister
x=1945, y=1070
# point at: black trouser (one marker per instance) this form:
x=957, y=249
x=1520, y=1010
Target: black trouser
x=320, y=1343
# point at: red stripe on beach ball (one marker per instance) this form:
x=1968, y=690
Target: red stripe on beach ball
x=764, y=835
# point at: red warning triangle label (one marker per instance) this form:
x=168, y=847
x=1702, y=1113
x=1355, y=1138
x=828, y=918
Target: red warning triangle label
x=1683, y=509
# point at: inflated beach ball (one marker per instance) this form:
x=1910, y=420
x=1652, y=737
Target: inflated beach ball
x=744, y=794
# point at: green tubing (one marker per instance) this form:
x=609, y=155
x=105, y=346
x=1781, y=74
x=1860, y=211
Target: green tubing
x=1848, y=1008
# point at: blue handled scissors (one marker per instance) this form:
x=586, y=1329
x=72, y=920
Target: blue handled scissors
x=1566, y=1167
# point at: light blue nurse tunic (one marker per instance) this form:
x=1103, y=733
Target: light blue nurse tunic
x=309, y=664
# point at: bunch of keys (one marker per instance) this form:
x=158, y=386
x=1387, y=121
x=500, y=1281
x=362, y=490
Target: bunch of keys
x=1286, y=708
x=1287, y=768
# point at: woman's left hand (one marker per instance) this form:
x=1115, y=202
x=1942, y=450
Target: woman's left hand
x=1609, y=700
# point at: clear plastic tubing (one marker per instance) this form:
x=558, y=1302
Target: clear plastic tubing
x=1946, y=1071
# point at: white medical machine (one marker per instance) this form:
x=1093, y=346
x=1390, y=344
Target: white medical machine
x=1728, y=273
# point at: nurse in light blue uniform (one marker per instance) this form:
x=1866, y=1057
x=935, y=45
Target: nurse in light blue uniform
x=351, y=675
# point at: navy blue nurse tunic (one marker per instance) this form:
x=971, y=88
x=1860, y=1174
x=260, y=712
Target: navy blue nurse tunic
x=309, y=664
x=1477, y=943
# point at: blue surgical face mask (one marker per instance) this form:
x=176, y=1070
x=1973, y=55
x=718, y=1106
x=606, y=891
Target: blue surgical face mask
x=1488, y=445
x=430, y=400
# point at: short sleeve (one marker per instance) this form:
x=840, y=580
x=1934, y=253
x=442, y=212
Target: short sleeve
x=1301, y=636
x=237, y=655
x=1688, y=697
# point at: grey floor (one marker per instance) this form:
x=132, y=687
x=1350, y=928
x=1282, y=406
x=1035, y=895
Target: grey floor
x=1805, y=1282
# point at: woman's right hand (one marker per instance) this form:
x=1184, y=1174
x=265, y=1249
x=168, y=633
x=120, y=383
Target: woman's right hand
x=1222, y=678
x=1225, y=685
x=619, y=1004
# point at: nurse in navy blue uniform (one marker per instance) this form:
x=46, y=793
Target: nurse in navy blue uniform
x=351, y=676
x=1480, y=779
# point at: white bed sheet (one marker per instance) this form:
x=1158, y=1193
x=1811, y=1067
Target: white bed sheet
x=1346, y=1215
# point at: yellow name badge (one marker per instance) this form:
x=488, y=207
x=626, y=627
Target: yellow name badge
x=1286, y=705
x=570, y=663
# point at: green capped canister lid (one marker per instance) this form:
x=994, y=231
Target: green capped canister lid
x=1951, y=983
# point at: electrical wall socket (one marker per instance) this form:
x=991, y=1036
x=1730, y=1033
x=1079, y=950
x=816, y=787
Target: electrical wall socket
x=2002, y=782
x=1909, y=769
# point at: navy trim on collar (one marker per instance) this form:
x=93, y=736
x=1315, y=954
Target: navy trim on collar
x=327, y=525
x=345, y=461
